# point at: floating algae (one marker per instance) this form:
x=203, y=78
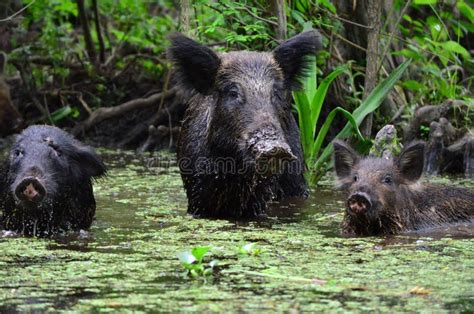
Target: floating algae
x=128, y=260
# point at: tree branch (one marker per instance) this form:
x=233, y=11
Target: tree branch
x=105, y=113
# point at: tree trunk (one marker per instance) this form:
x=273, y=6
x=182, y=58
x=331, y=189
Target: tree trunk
x=374, y=14
x=87, y=32
x=279, y=9
x=185, y=16
x=99, y=31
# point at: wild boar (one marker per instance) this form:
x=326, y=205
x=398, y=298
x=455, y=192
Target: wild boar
x=384, y=195
x=239, y=145
x=46, y=183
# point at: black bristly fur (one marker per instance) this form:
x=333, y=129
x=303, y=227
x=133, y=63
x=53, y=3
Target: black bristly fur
x=65, y=167
x=238, y=112
x=197, y=65
x=292, y=54
x=411, y=161
x=398, y=202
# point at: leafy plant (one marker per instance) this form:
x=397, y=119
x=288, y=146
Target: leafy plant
x=193, y=262
x=309, y=103
x=251, y=249
x=64, y=112
x=434, y=44
x=368, y=105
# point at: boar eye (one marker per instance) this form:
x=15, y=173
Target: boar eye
x=387, y=179
x=356, y=178
x=18, y=153
x=56, y=149
x=233, y=94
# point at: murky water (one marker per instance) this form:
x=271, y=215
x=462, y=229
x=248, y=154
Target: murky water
x=128, y=260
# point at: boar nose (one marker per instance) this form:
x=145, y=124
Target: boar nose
x=30, y=189
x=270, y=149
x=271, y=158
x=359, y=203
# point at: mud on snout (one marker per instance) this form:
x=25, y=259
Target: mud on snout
x=271, y=153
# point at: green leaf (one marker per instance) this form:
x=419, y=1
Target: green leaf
x=370, y=104
x=200, y=251
x=327, y=124
x=318, y=98
x=304, y=119
x=466, y=10
x=328, y=5
x=456, y=48
x=424, y=2
x=186, y=258
x=61, y=113
x=413, y=85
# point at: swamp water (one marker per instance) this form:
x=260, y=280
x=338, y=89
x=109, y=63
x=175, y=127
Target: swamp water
x=128, y=261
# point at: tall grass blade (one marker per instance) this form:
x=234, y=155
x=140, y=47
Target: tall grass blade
x=371, y=103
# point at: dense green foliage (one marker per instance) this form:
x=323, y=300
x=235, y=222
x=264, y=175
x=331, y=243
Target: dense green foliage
x=65, y=80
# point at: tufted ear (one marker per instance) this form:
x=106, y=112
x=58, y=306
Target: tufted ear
x=196, y=64
x=291, y=55
x=344, y=159
x=411, y=161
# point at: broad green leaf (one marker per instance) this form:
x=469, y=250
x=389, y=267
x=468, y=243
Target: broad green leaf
x=371, y=103
x=466, y=10
x=456, y=48
x=318, y=98
x=328, y=5
x=200, y=251
x=186, y=258
x=304, y=118
x=327, y=124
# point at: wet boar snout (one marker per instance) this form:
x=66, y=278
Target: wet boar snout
x=30, y=189
x=359, y=203
x=271, y=158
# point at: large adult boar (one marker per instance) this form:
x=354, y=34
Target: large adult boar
x=46, y=183
x=385, y=197
x=10, y=118
x=239, y=146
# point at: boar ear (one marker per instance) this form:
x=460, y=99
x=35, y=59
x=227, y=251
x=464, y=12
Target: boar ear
x=291, y=55
x=196, y=64
x=344, y=158
x=411, y=161
x=90, y=165
x=3, y=62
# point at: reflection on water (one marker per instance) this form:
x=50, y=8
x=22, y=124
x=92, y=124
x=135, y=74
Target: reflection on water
x=127, y=261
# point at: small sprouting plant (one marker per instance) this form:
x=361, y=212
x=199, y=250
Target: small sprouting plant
x=251, y=249
x=193, y=262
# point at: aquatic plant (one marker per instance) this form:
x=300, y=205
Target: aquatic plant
x=193, y=262
x=251, y=249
